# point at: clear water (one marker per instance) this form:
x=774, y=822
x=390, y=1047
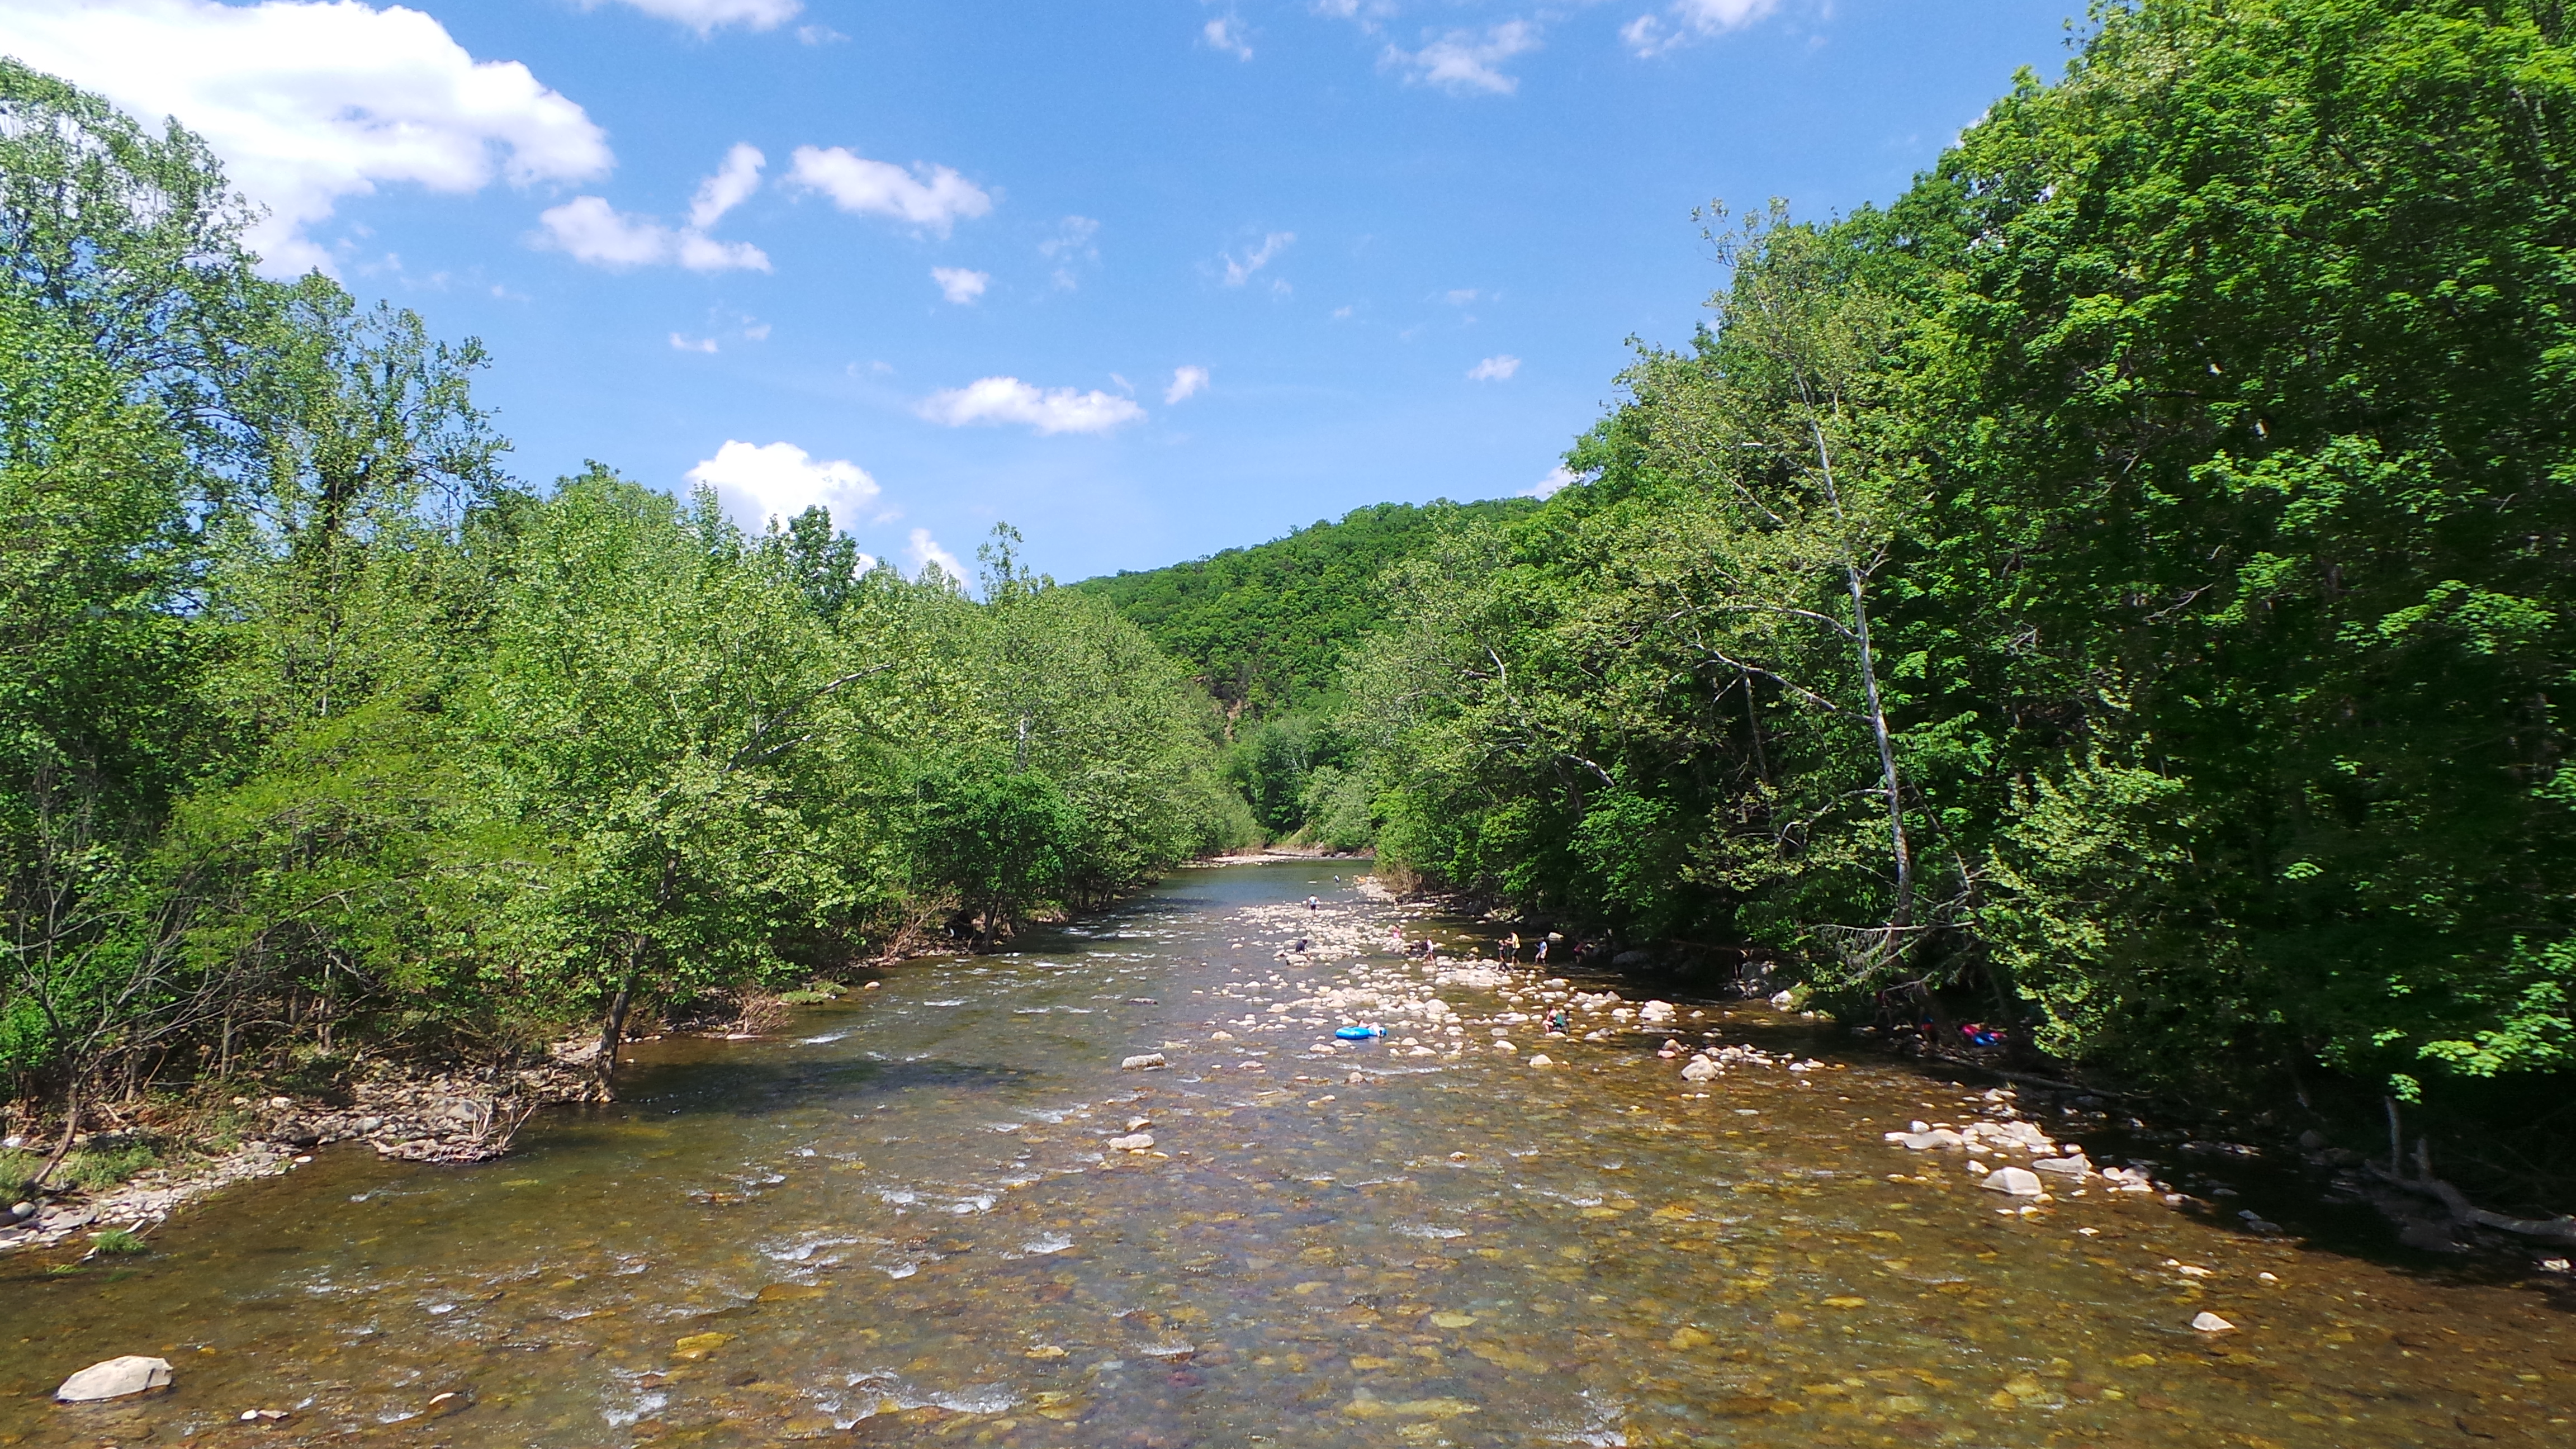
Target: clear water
x=898, y=1222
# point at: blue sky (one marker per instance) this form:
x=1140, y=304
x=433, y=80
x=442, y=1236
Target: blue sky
x=1146, y=279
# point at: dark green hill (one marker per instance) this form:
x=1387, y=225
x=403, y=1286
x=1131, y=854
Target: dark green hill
x=1264, y=628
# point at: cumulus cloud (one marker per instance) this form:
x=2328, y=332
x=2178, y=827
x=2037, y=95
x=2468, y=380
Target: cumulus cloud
x=1463, y=62
x=1497, y=368
x=692, y=344
x=1051, y=410
x=589, y=230
x=308, y=103
x=959, y=285
x=781, y=480
x=926, y=552
x=930, y=197
x=1690, y=20
x=1226, y=34
x=1237, y=272
x=703, y=16
x=1187, y=382
x=1557, y=477
x=732, y=184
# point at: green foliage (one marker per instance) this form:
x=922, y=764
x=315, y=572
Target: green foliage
x=119, y=1243
x=317, y=730
x=2201, y=462
x=105, y=1165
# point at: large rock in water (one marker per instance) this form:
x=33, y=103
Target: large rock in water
x=114, y=1379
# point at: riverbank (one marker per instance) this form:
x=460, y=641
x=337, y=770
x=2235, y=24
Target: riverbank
x=408, y=1109
x=411, y=1112
x=2419, y=1212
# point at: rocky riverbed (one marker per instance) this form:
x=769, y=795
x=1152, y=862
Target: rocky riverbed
x=1127, y=1186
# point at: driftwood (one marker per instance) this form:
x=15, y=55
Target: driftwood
x=2552, y=1230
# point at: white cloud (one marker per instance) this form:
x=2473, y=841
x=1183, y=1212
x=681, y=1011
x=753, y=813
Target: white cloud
x=308, y=103
x=1497, y=368
x=1072, y=243
x=930, y=197
x=732, y=184
x=1460, y=297
x=1557, y=477
x=1049, y=411
x=1187, y=382
x=1239, y=272
x=1463, y=62
x=926, y=551
x=1363, y=13
x=703, y=16
x=959, y=285
x=590, y=230
x=782, y=480
x=692, y=344
x=1226, y=34
x=1692, y=20
x=818, y=35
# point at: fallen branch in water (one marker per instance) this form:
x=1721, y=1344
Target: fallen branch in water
x=2554, y=1230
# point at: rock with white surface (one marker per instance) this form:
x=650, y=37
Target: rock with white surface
x=114, y=1379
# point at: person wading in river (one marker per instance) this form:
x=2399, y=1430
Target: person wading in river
x=1512, y=946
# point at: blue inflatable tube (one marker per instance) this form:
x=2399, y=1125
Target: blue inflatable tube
x=1360, y=1033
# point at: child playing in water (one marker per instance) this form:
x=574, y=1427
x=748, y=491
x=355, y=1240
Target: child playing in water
x=1512, y=946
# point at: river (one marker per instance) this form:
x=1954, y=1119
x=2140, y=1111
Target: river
x=901, y=1222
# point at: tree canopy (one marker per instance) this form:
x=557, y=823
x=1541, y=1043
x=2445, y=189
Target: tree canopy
x=321, y=732
x=2173, y=659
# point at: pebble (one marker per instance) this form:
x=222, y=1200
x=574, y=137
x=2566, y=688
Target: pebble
x=2208, y=1322
x=114, y=1379
x=1132, y=1142
x=1143, y=1061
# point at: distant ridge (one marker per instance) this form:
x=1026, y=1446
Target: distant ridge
x=1264, y=628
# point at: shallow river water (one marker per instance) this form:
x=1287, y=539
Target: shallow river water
x=901, y=1221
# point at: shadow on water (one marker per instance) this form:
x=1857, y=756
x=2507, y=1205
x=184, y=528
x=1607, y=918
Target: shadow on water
x=732, y=1085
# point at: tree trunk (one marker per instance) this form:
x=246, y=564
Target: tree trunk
x=1904, y=851
x=612, y=1033
x=1753, y=726
x=63, y=1148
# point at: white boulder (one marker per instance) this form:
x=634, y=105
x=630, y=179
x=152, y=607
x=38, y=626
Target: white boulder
x=2014, y=1182
x=114, y=1379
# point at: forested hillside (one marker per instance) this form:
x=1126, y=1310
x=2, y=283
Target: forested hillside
x=1265, y=627
x=2127, y=581
x=1267, y=630
x=320, y=733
